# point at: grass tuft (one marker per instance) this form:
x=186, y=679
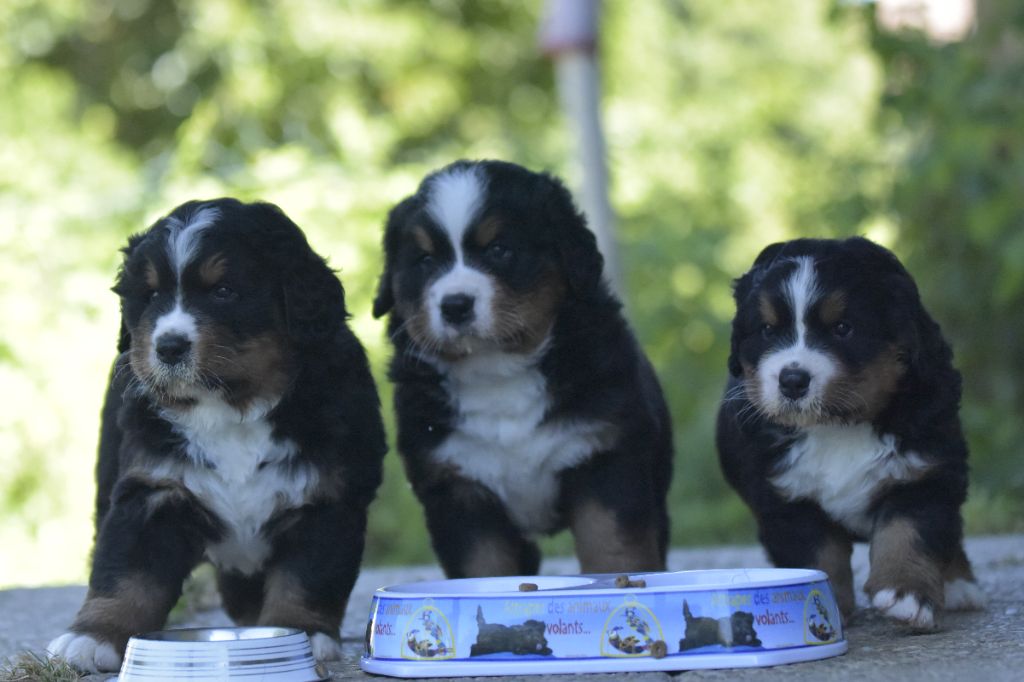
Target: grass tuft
x=32, y=667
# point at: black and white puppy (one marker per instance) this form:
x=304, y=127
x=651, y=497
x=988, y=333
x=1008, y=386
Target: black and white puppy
x=524, y=403
x=841, y=423
x=241, y=425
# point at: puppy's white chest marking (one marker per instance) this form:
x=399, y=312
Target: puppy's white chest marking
x=501, y=440
x=235, y=477
x=841, y=468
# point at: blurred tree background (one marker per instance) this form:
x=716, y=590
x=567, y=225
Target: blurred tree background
x=730, y=125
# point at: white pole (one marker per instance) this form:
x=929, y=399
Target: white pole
x=569, y=36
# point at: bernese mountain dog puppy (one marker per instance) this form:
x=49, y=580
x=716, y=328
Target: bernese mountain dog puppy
x=840, y=423
x=524, y=403
x=241, y=425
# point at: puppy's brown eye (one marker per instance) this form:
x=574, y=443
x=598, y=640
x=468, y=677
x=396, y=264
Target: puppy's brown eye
x=498, y=253
x=767, y=330
x=842, y=329
x=425, y=261
x=223, y=294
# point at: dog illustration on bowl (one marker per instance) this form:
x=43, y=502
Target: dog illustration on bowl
x=734, y=630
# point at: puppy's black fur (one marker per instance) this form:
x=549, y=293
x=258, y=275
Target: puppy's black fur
x=524, y=402
x=840, y=423
x=241, y=425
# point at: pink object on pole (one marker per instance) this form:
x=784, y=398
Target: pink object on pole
x=568, y=35
x=569, y=25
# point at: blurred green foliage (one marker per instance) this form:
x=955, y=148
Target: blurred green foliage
x=730, y=125
x=958, y=202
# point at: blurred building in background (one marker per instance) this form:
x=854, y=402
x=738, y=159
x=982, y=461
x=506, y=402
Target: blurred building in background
x=944, y=21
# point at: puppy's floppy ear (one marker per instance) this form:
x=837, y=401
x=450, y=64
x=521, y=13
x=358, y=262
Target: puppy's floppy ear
x=735, y=368
x=579, y=257
x=741, y=290
x=397, y=217
x=313, y=298
x=927, y=354
x=929, y=359
x=124, y=336
x=385, y=299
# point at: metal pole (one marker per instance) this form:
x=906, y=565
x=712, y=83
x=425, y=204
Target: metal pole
x=569, y=36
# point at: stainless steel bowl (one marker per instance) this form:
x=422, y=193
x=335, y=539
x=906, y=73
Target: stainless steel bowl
x=218, y=654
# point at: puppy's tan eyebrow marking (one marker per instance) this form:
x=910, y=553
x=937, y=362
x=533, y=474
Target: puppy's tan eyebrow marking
x=767, y=310
x=151, y=276
x=832, y=307
x=423, y=239
x=486, y=231
x=212, y=269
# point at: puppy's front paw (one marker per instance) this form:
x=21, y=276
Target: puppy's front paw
x=964, y=595
x=908, y=608
x=85, y=653
x=325, y=648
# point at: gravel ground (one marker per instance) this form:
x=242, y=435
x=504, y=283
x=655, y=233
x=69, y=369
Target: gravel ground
x=987, y=645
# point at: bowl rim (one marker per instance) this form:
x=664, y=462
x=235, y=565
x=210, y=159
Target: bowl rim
x=604, y=584
x=168, y=636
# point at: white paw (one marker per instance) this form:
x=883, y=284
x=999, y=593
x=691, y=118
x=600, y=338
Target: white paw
x=85, y=653
x=324, y=648
x=907, y=609
x=964, y=595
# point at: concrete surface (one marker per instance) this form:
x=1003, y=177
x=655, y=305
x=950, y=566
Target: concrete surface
x=987, y=645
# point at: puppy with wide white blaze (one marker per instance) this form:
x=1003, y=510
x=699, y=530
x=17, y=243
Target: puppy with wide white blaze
x=241, y=426
x=524, y=403
x=840, y=423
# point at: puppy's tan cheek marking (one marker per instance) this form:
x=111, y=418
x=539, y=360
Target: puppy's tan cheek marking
x=832, y=308
x=524, y=320
x=417, y=324
x=137, y=604
x=142, y=341
x=899, y=562
x=261, y=363
x=266, y=360
x=872, y=388
x=752, y=384
x=413, y=312
x=286, y=604
x=212, y=269
x=833, y=557
x=406, y=305
x=604, y=546
x=214, y=350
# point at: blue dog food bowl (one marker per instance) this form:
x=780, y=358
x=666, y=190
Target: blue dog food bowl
x=579, y=624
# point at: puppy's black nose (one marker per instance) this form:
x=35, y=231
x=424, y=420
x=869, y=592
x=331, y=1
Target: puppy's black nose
x=793, y=382
x=457, y=308
x=172, y=348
